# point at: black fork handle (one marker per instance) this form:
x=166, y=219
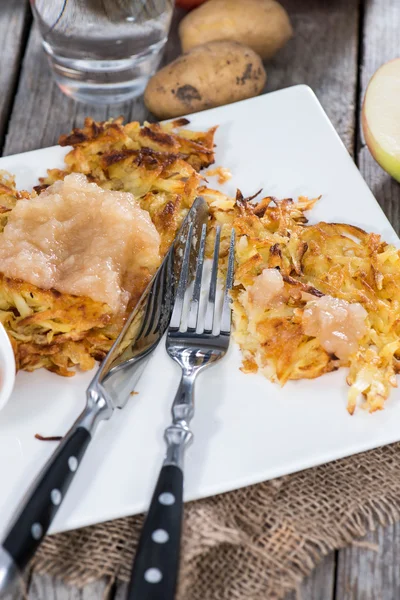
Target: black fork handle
x=156, y=565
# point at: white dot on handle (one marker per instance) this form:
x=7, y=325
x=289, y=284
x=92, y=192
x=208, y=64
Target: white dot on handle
x=130, y=18
x=73, y=463
x=153, y=575
x=160, y=536
x=36, y=531
x=166, y=498
x=56, y=497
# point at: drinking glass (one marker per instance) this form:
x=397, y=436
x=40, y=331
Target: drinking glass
x=103, y=51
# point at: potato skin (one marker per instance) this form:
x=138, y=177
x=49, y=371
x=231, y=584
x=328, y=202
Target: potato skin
x=210, y=75
x=263, y=25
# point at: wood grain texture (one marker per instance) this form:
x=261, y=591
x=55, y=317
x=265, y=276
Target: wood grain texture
x=14, y=22
x=44, y=587
x=319, y=585
x=369, y=570
x=20, y=590
x=380, y=43
x=323, y=55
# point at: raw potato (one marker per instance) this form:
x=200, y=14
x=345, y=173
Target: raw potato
x=261, y=24
x=207, y=76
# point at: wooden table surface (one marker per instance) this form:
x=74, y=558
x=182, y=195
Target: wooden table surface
x=338, y=45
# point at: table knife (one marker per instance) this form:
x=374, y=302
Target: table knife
x=109, y=389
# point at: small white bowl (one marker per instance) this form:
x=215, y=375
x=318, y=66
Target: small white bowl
x=7, y=367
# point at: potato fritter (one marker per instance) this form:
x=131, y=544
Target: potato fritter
x=332, y=259
x=155, y=163
x=159, y=164
x=8, y=196
x=53, y=330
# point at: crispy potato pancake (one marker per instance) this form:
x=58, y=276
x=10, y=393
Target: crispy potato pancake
x=53, y=330
x=8, y=196
x=314, y=260
x=155, y=163
x=159, y=164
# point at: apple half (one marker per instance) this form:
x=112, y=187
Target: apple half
x=380, y=117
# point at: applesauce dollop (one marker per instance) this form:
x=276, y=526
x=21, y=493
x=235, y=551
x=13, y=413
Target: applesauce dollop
x=336, y=323
x=81, y=239
x=267, y=287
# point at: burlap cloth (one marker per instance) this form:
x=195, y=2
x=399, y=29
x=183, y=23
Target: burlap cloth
x=256, y=543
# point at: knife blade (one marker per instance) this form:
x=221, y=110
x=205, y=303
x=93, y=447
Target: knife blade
x=109, y=389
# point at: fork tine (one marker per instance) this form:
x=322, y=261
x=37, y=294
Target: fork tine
x=151, y=321
x=183, y=279
x=195, y=301
x=226, y=309
x=209, y=318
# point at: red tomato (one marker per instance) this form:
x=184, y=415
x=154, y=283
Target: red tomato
x=189, y=4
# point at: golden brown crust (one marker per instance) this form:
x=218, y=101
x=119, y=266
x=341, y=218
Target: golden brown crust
x=96, y=139
x=49, y=329
x=159, y=165
x=326, y=258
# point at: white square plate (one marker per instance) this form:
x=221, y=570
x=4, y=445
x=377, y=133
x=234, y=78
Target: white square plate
x=246, y=429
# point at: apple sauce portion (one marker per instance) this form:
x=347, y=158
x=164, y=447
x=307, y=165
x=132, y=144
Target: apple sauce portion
x=80, y=239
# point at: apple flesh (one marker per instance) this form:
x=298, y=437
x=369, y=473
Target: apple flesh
x=380, y=117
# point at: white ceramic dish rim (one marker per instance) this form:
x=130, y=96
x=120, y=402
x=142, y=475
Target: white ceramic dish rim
x=7, y=367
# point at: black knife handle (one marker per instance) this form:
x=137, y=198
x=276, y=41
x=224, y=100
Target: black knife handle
x=39, y=509
x=156, y=565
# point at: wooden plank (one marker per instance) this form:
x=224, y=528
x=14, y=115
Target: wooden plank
x=323, y=55
x=44, y=587
x=319, y=585
x=14, y=24
x=380, y=44
x=371, y=573
x=369, y=570
x=20, y=590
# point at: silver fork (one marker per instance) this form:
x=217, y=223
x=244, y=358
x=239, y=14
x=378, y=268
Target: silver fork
x=201, y=343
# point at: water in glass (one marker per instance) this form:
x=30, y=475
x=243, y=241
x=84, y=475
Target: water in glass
x=103, y=51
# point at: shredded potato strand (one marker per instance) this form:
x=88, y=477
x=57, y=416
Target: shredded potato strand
x=160, y=165
x=327, y=258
